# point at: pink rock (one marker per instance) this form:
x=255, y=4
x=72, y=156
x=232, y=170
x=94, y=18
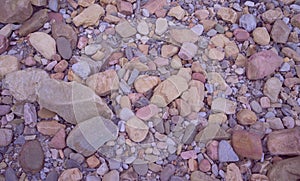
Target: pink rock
x=262, y=64
x=57, y=17
x=59, y=140
x=204, y=165
x=198, y=76
x=161, y=61
x=29, y=61
x=134, y=97
x=82, y=42
x=147, y=112
x=212, y=150
x=188, y=154
x=3, y=44
x=187, y=51
x=124, y=7
x=241, y=35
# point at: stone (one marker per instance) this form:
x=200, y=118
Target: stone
x=4, y=43
x=49, y=128
x=6, y=30
x=85, y=3
x=262, y=64
x=143, y=28
x=246, y=117
x=103, y=83
x=198, y=29
x=43, y=43
x=136, y=129
x=39, y=2
x=53, y=5
x=155, y=5
x=30, y=116
x=59, y=140
x=168, y=51
x=280, y=32
x=291, y=53
x=223, y=105
x=295, y=21
x=93, y=161
x=287, y=169
x=241, y=35
x=23, y=83
x=59, y=29
x=272, y=15
x=129, y=174
x=15, y=12
x=261, y=36
x=202, y=14
x=259, y=177
x=141, y=169
x=216, y=54
x=275, y=123
x=33, y=24
x=61, y=66
x=124, y=7
x=231, y=50
x=191, y=154
x=227, y=14
x=248, y=22
x=177, y=12
x=204, y=165
x=6, y=136
x=31, y=156
x=88, y=136
x=4, y=109
x=169, y=90
x=111, y=176
x=233, y=172
x=73, y=174
x=189, y=134
x=167, y=172
x=284, y=142
x=226, y=152
x=89, y=16
x=247, y=144
x=75, y=103
x=212, y=150
x=183, y=35
x=64, y=47
x=8, y=64
x=200, y=176
x=52, y=176
x=255, y=106
x=272, y=89
x=161, y=26
x=187, y=51
x=288, y=122
x=147, y=112
x=125, y=29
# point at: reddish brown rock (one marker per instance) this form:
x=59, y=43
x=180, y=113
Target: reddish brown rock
x=154, y=5
x=204, y=165
x=284, y=142
x=124, y=7
x=59, y=140
x=16, y=11
x=296, y=20
x=241, y=34
x=61, y=66
x=262, y=64
x=31, y=157
x=212, y=150
x=247, y=144
x=287, y=169
x=4, y=43
x=246, y=117
x=49, y=127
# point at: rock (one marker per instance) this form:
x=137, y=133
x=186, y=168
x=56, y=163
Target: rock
x=287, y=169
x=129, y=174
x=200, y=176
x=241, y=35
x=247, y=144
x=295, y=21
x=161, y=26
x=89, y=16
x=280, y=32
x=284, y=142
x=49, y=128
x=89, y=135
x=290, y=53
x=39, y=2
x=75, y=103
x=6, y=136
x=31, y=157
x=104, y=83
x=227, y=14
x=223, y=105
x=216, y=54
x=233, y=172
x=155, y=5
x=288, y=122
x=53, y=5
x=183, y=35
x=212, y=150
x=187, y=51
x=59, y=29
x=177, y=12
x=4, y=109
x=82, y=69
x=194, y=96
x=85, y=3
x=260, y=177
x=36, y=22
x=169, y=90
x=125, y=29
x=22, y=84
x=231, y=50
x=43, y=43
x=59, y=140
x=73, y=174
x=93, y=161
x=15, y=12
x=255, y=106
x=272, y=15
x=30, y=116
x=272, y=89
x=147, y=112
x=61, y=66
x=141, y=169
x=198, y=29
x=136, y=129
x=8, y=64
x=143, y=28
x=246, y=117
x=168, y=51
x=167, y=172
x=64, y=47
x=204, y=165
x=10, y=175
x=111, y=176
x=262, y=64
x=6, y=30
x=261, y=36
x=4, y=43
x=226, y=152
x=248, y=22
x=191, y=154
x=124, y=7
x=275, y=123
x=52, y=176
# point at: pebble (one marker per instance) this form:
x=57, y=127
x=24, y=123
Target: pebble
x=31, y=157
x=246, y=117
x=200, y=176
x=34, y=23
x=82, y=69
x=261, y=36
x=136, y=129
x=168, y=51
x=15, y=12
x=288, y=122
x=73, y=174
x=4, y=109
x=241, y=35
x=183, y=35
x=64, y=47
x=226, y=152
x=187, y=51
x=280, y=32
x=188, y=155
x=286, y=169
x=8, y=64
x=43, y=43
x=111, y=176
x=125, y=29
x=147, y=112
x=227, y=14
x=223, y=105
x=144, y=83
x=204, y=165
x=248, y=22
x=89, y=16
x=167, y=172
x=60, y=29
x=4, y=43
x=6, y=136
x=233, y=172
x=177, y=12
x=272, y=89
x=140, y=169
x=58, y=141
x=198, y=29
x=212, y=150
x=143, y=28
x=161, y=26
x=10, y=175
x=272, y=15
x=30, y=116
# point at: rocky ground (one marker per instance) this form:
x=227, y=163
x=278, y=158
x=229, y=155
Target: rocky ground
x=150, y=90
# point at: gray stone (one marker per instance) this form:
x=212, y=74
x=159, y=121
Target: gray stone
x=53, y=5
x=6, y=136
x=64, y=47
x=4, y=109
x=10, y=175
x=226, y=152
x=82, y=69
x=125, y=29
x=248, y=22
x=52, y=176
x=30, y=115
x=256, y=106
x=31, y=157
x=141, y=169
x=167, y=172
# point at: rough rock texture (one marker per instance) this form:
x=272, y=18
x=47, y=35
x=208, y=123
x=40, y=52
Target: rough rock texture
x=16, y=11
x=89, y=16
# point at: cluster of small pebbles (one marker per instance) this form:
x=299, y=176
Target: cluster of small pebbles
x=149, y=90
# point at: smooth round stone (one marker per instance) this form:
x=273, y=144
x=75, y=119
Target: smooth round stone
x=64, y=47
x=248, y=22
x=31, y=157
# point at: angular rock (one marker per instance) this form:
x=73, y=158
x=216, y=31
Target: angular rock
x=75, y=102
x=212, y=150
x=291, y=53
x=31, y=157
x=261, y=36
x=59, y=140
x=6, y=136
x=226, y=152
x=167, y=172
x=194, y=96
x=4, y=109
x=272, y=88
x=248, y=22
x=183, y=35
x=144, y=83
x=143, y=28
x=200, y=176
x=8, y=64
x=49, y=128
x=36, y=22
x=295, y=21
x=227, y=14
x=161, y=26
x=43, y=43
x=169, y=90
x=168, y=51
x=147, y=112
x=85, y=3
x=177, y=12
x=124, y=7
x=136, y=129
x=15, y=11
x=287, y=169
x=262, y=64
x=88, y=136
x=216, y=54
x=246, y=117
x=284, y=142
x=30, y=116
x=247, y=144
x=4, y=43
x=73, y=174
x=223, y=105
x=89, y=16
x=125, y=29
x=64, y=47
x=272, y=15
x=280, y=32
x=154, y=5
x=60, y=29
x=233, y=172
x=112, y=175
x=187, y=51
x=10, y=175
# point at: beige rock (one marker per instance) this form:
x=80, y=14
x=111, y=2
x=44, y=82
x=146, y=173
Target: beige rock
x=290, y=53
x=272, y=88
x=233, y=173
x=272, y=15
x=89, y=16
x=218, y=118
x=296, y=20
x=261, y=36
x=168, y=51
x=177, y=12
x=6, y=30
x=287, y=169
x=187, y=51
x=227, y=14
x=219, y=40
x=144, y=83
x=143, y=28
x=217, y=80
x=231, y=50
x=161, y=26
x=93, y=161
x=39, y=2
x=136, y=129
x=125, y=29
x=202, y=14
x=136, y=64
x=216, y=54
x=183, y=35
x=246, y=117
x=16, y=11
x=194, y=96
x=169, y=90
x=43, y=43
x=183, y=107
x=85, y=3
x=259, y=177
x=280, y=32
x=8, y=64
x=73, y=174
x=200, y=176
x=103, y=83
x=223, y=105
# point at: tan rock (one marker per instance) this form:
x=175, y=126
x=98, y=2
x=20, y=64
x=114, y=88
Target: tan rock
x=183, y=107
x=8, y=64
x=187, y=51
x=233, y=173
x=144, y=83
x=136, y=129
x=125, y=29
x=272, y=15
x=183, y=35
x=155, y=5
x=217, y=80
x=259, y=177
x=272, y=88
x=216, y=54
x=89, y=16
x=194, y=96
x=43, y=43
x=223, y=105
x=93, y=161
x=280, y=32
x=246, y=117
x=296, y=20
x=124, y=7
x=261, y=36
x=73, y=174
x=287, y=169
x=231, y=50
x=49, y=128
x=291, y=53
x=227, y=14
x=15, y=11
x=218, y=118
x=202, y=14
x=161, y=26
x=208, y=24
x=219, y=40
x=85, y=3
x=168, y=51
x=177, y=12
